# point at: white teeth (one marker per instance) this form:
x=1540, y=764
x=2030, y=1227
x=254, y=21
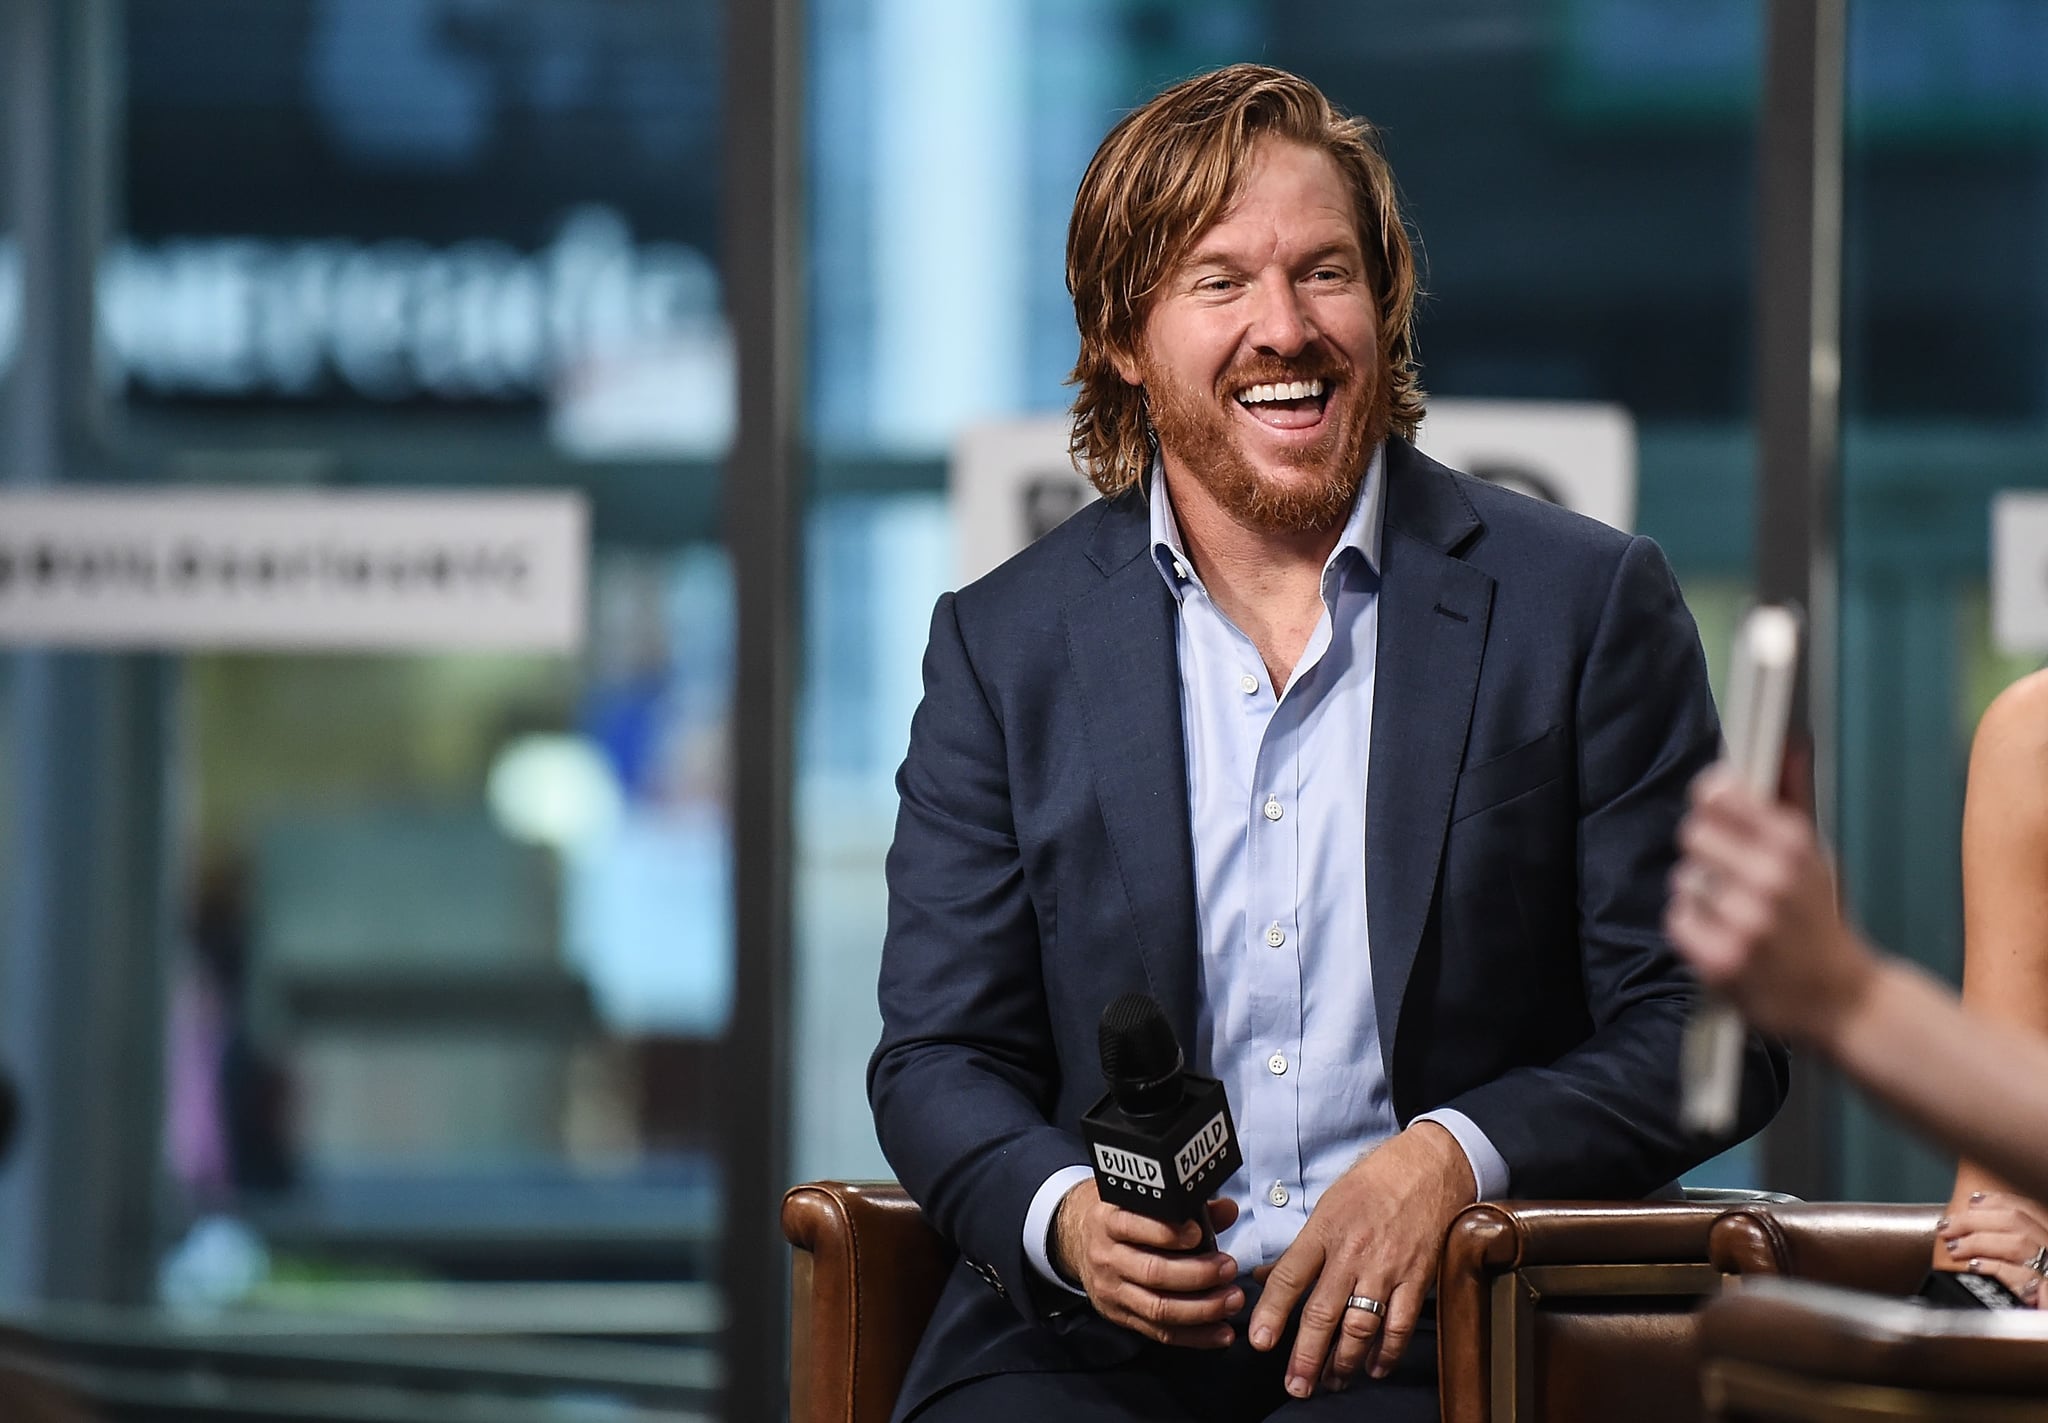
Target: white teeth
x=1285, y=390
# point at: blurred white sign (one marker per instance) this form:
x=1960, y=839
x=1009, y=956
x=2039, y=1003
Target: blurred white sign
x=297, y=571
x=1575, y=453
x=2019, y=571
x=1011, y=481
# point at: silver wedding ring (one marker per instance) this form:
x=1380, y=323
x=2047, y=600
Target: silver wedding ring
x=2039, y=1263
x=1366, y=1303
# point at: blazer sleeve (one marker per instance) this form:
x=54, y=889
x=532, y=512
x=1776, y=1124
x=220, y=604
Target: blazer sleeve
x=1603, y=1118
x=964, y=1078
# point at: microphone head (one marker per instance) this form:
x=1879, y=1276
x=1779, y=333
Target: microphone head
x=1141, y=1059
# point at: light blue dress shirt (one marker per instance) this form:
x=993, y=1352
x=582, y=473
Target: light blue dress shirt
x=1284, y=994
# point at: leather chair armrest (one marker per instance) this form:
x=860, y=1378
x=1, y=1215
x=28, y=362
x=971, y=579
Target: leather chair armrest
x=1885, y=1249
x=1573, y=1310
x=1793, y=1349
x=865, y=1274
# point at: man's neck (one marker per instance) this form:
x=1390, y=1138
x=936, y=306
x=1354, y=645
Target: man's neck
x=1270, y=584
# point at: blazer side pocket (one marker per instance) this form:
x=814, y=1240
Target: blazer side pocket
x=1514, y=772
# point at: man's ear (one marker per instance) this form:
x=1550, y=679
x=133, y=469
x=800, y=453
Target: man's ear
x=1126, y=366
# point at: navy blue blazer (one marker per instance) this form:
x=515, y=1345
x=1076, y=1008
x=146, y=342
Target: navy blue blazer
x=1540, y=705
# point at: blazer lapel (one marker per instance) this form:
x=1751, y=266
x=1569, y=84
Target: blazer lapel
x=1121, y=644
x=1434, y=609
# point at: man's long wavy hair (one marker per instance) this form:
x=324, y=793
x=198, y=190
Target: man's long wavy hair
x=1167, y=172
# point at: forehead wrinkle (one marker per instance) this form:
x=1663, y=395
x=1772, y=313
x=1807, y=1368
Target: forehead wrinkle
x=1271, y=246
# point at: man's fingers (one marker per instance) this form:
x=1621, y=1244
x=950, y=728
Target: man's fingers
x=1402, y=1313
x=1359, y=1333
x=1285, y=1279
x=1322, y=1319
x=1133, y=1229
x=1222, y=1214
x=1165, y=1273
x=1160, y=1315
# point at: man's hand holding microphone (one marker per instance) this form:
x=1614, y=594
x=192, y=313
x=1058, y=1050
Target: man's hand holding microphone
x=1140, y=1238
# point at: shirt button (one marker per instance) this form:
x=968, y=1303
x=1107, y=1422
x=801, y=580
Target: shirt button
x=1278, y=1195
x=1180, y=570
x=1273, y=810
x=1277, y=1064
x=1275, y=935
x=1247, y=684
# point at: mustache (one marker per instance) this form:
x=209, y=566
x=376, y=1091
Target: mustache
x=1273, y=371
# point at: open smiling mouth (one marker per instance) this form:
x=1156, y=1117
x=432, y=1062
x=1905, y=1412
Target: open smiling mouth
x=1286, y=405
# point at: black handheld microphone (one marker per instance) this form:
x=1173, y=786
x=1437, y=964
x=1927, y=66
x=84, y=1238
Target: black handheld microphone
x=1162, y=1136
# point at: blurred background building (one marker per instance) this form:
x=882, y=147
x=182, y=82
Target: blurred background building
x=357, y=987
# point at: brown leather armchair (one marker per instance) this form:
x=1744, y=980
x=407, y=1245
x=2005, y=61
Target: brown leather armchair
x=1583, y=1312
x=865, y=1275
x=1780, y=1351
x=1885, y=1249
x=1577, y=1311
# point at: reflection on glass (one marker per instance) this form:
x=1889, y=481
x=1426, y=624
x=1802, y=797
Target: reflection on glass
x=435, y=206
x=455, y=952
x=457, y=909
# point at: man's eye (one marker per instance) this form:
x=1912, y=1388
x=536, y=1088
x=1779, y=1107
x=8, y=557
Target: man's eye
x=1326, y=274
x=1214, y=284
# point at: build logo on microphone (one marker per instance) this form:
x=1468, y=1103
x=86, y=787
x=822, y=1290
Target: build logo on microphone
x=1192, y=1160
x=1130, y=1170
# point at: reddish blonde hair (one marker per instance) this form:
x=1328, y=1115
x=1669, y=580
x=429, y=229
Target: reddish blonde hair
x=1167, y=172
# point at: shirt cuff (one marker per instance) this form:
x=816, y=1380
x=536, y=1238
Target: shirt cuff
x=1488, y=1169
x=1038, y=1221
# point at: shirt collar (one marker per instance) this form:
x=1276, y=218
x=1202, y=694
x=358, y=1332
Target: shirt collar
x=1361, y=530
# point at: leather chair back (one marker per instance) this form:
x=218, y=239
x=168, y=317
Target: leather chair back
x=865, y=1275
x=1582, y=1312
x=1885, y=1249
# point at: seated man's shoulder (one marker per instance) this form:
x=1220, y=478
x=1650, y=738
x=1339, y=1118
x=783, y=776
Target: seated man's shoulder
x=1523, y=530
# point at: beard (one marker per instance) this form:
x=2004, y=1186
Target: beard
x=1195, y=428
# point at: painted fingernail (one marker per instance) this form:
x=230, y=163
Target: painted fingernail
x=1950, y=1245
x=1941, y=1224
x=1262, y=1337
x=1976, y=1196
x=1976, y=1265
x=2030, y=1291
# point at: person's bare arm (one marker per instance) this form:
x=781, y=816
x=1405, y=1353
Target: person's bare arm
x=1982, y=1087
x=2005, y=878
x=1753, y=909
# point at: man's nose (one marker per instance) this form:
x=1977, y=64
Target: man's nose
x=1280, y=323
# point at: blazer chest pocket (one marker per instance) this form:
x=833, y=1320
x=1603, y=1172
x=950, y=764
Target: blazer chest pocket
x=1515, y=772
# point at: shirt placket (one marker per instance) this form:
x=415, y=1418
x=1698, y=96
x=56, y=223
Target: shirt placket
x=1271, y=948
